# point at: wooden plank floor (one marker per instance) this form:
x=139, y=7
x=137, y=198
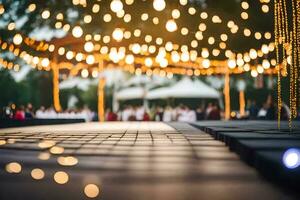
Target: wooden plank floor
x=129, y=161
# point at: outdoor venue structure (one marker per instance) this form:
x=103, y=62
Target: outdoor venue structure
x=123, y=34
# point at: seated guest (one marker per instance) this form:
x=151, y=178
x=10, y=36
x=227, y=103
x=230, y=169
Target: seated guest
x=262, y=113
x=29, y=112
x=214, y=114
x=40, y=113
x=111, y=116
x=183, y=114
x=127, y=113
x=146, y=117
x=139, y=114
x=20, y=114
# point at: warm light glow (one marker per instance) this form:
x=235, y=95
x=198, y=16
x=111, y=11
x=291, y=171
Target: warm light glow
x=254, y=73
x=45, y=14
x=37, y=174
x=129, y=59
x=175, y=13
x=148, y=62
x=91, y=190
x=118, y=34
x=67, y=161
x=13, y=168
x=90, y=59
x=88, y=46
x=61, y=177
x=253, y=54
x=205, y=53
x=116, y=6
x=45, y=62
x=159, y=5
x=266, y=64
x=206, y=63
x=171, y=25
x=84, y=73
x=291, y=158
x=17, y=40
x=231, y=63
x=136, y=48
x=77, y=31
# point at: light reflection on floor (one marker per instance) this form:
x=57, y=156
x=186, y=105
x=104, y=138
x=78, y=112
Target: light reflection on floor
x=98, y=154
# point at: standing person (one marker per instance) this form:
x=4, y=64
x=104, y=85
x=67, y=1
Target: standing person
x=271, y=110
x=200, y=113
x=191, y=115
x=208, y=109
x=159, y=114
x=20, y=114
x=253, y=110
x=167, y=115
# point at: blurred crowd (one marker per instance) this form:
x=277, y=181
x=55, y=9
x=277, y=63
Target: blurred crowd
x=22, y=113
x=182, y=113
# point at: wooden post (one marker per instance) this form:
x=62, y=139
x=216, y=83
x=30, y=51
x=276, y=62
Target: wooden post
x=101, y=97
x=227, y=95
x=242, y=103
x=56, y=100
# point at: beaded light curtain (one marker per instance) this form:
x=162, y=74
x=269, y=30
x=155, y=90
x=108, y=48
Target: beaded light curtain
x=287, y=42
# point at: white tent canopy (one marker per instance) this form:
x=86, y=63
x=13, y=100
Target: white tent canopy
x=131, y=93
x=81, y=83
x=147, y=81
x=185, y=88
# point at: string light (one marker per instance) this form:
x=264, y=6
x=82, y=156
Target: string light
x=159, y=5
x=171, y=25
x=116, y=6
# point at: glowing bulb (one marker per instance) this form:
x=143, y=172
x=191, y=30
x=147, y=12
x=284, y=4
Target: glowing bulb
x=118, y=34
x=84, y=73
x=159, y=5
x=231, y=64
x=175, y=57
x=164, y=63
x=148, y=62
x=206, y=63
x=291, y=158
x=77, y=31
x=45, y=62
x=88, y=46
x=116, y=6
x=136, y=48
x=254, y=73
x=129, y=59
x=17, y=40
x=175, y=13
x=90, y=59
x=266, y=64
x=205, y=53
x=45, y=14
x=171, y=25
x=91, y=190
x=253, y=54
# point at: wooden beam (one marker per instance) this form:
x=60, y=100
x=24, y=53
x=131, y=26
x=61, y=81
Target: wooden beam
x=101, y=100
x=227, y=94
x=56, y=100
